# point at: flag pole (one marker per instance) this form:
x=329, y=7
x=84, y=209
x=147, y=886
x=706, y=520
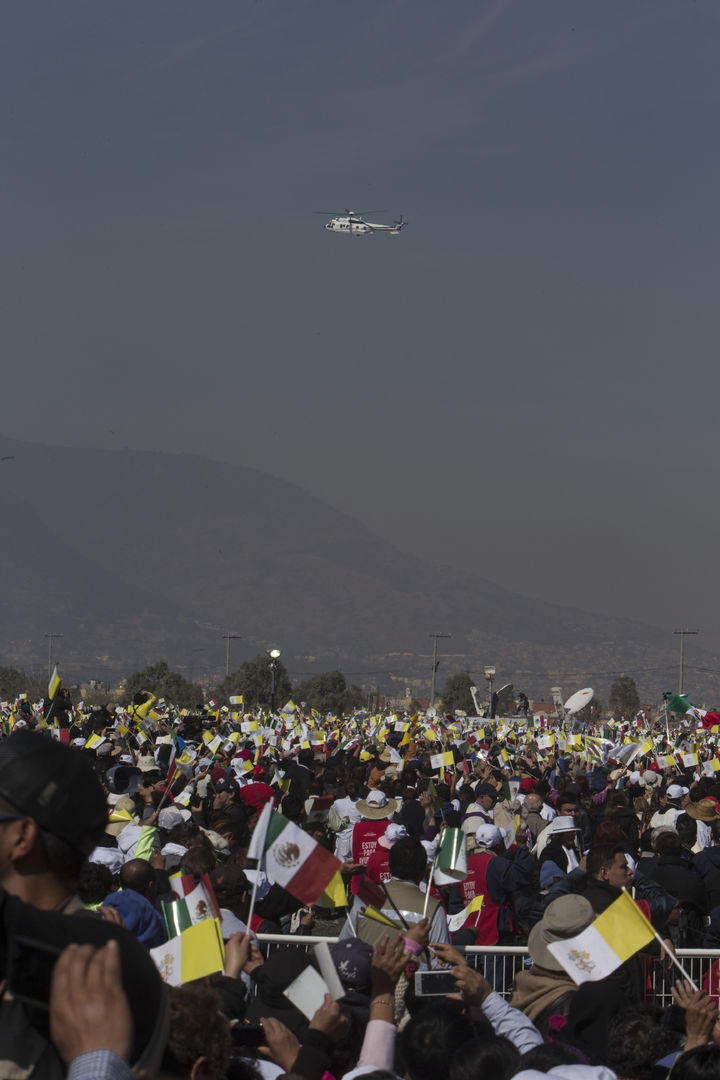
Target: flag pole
x=258, y=870
x=670, y=952
x=676, y=962
x=427, y=894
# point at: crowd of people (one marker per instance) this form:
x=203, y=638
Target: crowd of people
x=108, y=815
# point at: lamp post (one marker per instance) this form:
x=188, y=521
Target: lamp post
x=435, y=663
x=228, y=638
x=683, y=633
x=489, y=673
x=51, y=638
x=274, y=657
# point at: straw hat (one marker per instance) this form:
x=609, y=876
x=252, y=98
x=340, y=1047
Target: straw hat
x=562, y=919
x=703, y=810
x=377, y=806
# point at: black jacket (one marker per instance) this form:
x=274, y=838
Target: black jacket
x=677, y=876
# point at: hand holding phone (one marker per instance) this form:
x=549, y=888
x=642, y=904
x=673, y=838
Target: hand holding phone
x=434, y=983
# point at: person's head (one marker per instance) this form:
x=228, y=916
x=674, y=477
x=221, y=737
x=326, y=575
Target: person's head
x=567, y=805
x=608, y=864
x=138, y=875
x=407, y=860
x=198, y=860
x=306, y=758
x=199, y=1042
x=95, y=882
x=668, y=843
x=432, y=1036
x=608, y=832
x=494, y=1057
x=686, y=828
x=636, y=1039
x=52, y=814
x=489, y=838
x=549, y=1055
x=533, y=803
x=486, y=796
x=702, y=1063
x=232, y=889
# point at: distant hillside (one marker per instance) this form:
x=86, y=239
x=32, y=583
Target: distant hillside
x=134, y=556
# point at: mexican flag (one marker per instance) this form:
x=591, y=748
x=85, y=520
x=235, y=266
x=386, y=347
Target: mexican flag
x=290, y=857
x=707, y=719
x=193, y=954
x=451, y=859
x=677, y=703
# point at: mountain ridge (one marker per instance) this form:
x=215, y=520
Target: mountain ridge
x=203, y=546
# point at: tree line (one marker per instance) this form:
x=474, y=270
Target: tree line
x=327, y=691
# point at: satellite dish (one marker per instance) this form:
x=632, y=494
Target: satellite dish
x=579, y=700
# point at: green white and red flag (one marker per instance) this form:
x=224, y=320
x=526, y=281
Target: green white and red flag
x=290, y=857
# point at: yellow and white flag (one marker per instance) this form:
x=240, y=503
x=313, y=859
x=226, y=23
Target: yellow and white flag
x=54, y=684
x=195, y=953
x=608, y=942
x=456, y=922
x=93, y=741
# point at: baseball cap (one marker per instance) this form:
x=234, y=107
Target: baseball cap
x=353, y=959
x=677, y=791
x=56, y=786
x=488, y=836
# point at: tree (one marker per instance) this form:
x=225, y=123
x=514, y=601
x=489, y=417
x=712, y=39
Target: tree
x=329, y=692
x=456, y=693
x=624, y=697
x=161, y=681
x=592, y=712
x=14, y=681
x=253, y=679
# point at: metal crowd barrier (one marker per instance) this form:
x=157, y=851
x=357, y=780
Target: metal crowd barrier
x=500, y=963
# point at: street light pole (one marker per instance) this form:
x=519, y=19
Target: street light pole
x=435, y=664
x=51, y=638
x=229, y=638
x=274, y=657
x=489, y=673
x=682, y=633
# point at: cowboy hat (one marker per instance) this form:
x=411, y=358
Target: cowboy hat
x=377, y=806
x=703, y=810
x=562, y=919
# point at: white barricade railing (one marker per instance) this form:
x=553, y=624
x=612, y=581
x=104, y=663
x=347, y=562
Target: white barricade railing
x=501, y=963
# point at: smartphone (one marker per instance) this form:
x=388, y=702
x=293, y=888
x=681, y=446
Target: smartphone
x=434, y=983
x=245, y=1034
x=30, y=968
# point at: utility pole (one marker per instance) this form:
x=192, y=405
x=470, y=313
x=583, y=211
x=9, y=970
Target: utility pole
x=51, y=638
x=435, y=664
x=682, y=633
x=229, y=638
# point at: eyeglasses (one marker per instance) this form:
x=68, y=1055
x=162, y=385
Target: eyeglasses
x=12, y=817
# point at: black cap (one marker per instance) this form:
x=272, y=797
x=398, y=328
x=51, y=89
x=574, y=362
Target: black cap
x=486, y=789
x=55, y=785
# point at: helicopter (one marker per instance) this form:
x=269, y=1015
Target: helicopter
x=353, y=223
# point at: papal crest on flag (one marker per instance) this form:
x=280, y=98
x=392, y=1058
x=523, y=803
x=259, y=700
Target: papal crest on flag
x=611, y=939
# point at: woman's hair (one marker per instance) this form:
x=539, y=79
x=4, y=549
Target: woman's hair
x=479, y=1058
x=702, y=1063
x=432, y=1036
x=547, y=1056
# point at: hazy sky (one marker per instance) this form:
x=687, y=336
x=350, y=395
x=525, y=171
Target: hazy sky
x=523, y=383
